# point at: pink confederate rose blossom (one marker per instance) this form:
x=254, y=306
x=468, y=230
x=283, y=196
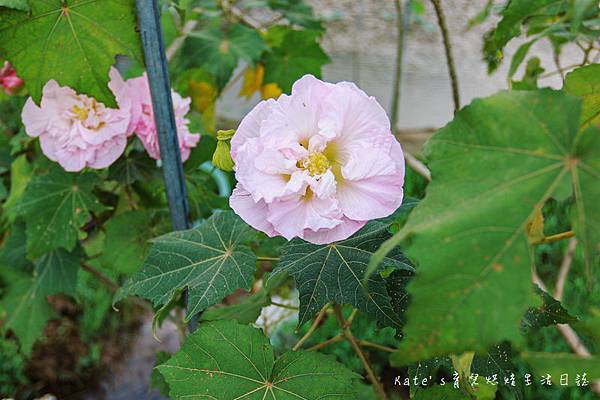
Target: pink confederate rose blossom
x=9, y=79
x=134, y=95
x=75, y=130
x=317, y=164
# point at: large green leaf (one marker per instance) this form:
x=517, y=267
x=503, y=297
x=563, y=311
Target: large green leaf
x=23, y=309
x=87, y=33
x=492, y=166
x=585, y=82
x=245, y=312
x=55, y=206
x=219, y=49
x=211, y=261
x=56, y=272
x=14, y=249
x=297, y=12
x=298, y=54
x=226, y=361
x=557, y=364
x=334, y=272
x=20, y=174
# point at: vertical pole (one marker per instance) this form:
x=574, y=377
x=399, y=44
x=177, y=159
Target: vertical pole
x=162, y=105
x=164, y=117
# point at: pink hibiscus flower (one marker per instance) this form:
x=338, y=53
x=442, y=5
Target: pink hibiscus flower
x=134, y=95
x=317, y=164
x=9, y=79
x=75, y=130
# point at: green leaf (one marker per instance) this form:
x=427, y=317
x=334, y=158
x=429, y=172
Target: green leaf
x=334, y=272
x=20, y=174
x=55, y=206
x=15, y=4
x=590, y=327
x=245, y=312
x=485, y=189
x=27, y=312
x=136, y=166
x=446, y=392
x=297, y=12
x=218, y=50
x=126, y=243
x=557, y=364
x=223, y=360
x=56, y=272
x=585, y=83
x=14, y=249
x=88, y=33
x=211, y=261
x=156, y=379
x=298, y=54
x=550, y=313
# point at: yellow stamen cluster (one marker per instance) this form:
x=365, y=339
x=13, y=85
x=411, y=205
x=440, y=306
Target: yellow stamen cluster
x=81, y=113
x=316, y=164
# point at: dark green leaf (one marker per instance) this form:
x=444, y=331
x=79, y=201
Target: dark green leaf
x=334, y=272
x=245, y=312
x=15, y=4
x=219, y=49
x=55, y=206
x=56, y=272
x=136, y=166
x=299, y=54
x=211, y=261
x=23, y=310
x=297, y=12
x=87, y=33
x=550, y=313
x=14, y=250
x=226, y=361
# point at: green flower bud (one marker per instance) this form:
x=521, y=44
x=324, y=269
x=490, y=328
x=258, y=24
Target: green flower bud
x=222, y=155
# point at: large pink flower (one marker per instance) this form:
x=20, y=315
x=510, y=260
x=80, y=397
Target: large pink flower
x=9, y=79
x=317, y=164
x=134, y=95
x=75, y=130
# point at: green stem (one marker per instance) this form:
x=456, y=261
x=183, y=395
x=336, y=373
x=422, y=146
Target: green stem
x=555, y=238
x=287, y=306
x=312, y=328
x=337, y=311
x=439, y=11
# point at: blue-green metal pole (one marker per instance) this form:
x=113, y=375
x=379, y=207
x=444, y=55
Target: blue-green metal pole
x=162, y=104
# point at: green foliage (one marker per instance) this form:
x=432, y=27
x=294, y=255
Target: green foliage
x=211, y=261
x=56, y=272
x=479, y=231
x=334, y=273
x=55, y=206
x=23, y=308
x=87, y=33
x=559, y=21
x=550, y=313
x=11, y=368
x=219, y=49
x=246, y=312
x=16, y=4
x=297, y=53
x=585, y=83
x=557, y=364
x=232, y=361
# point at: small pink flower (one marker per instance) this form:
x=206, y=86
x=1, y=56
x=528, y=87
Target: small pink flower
x=317, y=164
x=9, y=79
x=75, y=130
x=134, y=95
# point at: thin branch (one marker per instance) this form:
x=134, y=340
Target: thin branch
x=556, y=58
x=417, y=166
x=564, y=269
x=178, y=42
x=365, y=343
x=326, y=343
x=398, y=67
x=555, y=238
x=312, y=328
x=439, y=11
x=113, y=287
x=260, y=258
x=337, y=311
x=287, y=306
